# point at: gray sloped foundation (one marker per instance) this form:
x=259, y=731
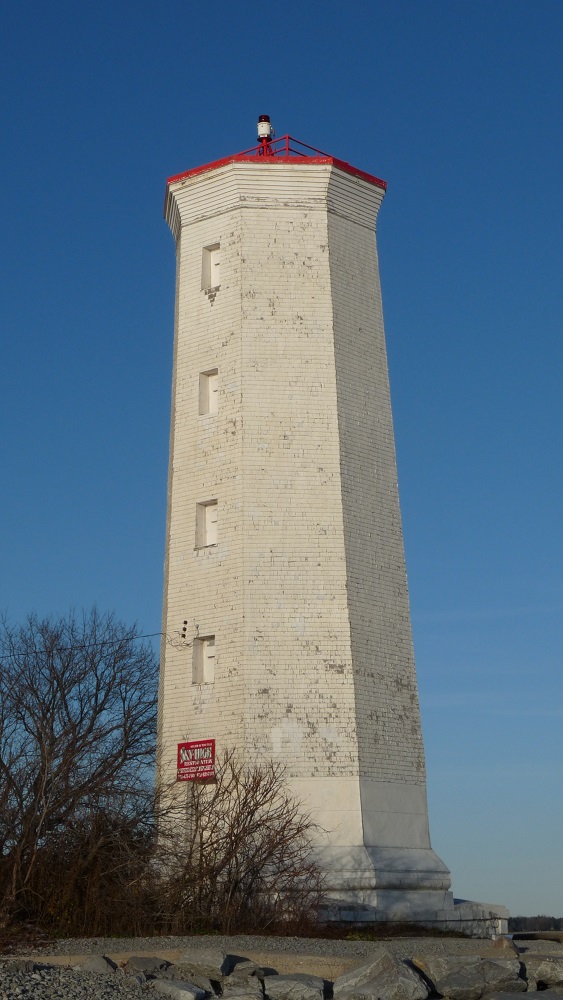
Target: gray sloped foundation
x=405, y=885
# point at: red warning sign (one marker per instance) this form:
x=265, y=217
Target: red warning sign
x=196, y=760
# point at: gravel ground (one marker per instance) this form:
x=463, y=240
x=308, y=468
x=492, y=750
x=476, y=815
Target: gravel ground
x=242, y=944
x=65, y=984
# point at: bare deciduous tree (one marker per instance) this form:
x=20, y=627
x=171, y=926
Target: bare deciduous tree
x=77, y=724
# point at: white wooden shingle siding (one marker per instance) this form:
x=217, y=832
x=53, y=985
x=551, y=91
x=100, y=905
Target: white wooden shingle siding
x=304, y=586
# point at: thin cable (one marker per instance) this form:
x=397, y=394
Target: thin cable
x=90, y=645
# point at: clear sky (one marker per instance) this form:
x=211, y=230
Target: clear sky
x=457, y=105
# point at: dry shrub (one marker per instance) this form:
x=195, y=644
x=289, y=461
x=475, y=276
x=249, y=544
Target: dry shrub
x=237, y=854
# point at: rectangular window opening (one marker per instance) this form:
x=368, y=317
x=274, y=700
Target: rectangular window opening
x=203, y=665
x=209, y=391
x=206, y=524
x=210, y=267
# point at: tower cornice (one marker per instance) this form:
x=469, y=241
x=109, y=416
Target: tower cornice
x=313, y=184
x=285, y=152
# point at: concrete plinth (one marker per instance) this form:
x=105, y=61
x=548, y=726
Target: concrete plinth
x=403, y=885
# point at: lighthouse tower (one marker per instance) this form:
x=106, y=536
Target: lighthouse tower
x=286, y=628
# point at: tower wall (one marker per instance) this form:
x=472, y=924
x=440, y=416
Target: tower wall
x=390, y=749
x=203, y=585
x=305, y=588
x=301, y=709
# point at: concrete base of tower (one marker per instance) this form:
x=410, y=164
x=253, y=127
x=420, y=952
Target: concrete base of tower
x=366, y=885
x=403, y=880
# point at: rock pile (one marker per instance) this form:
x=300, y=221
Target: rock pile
x=204, y=974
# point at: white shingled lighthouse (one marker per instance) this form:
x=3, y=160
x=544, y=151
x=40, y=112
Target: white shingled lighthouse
x=286, y=618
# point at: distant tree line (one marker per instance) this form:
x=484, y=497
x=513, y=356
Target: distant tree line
x=85, y=846
x=539, y=923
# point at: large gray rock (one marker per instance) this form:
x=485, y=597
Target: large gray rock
x=469, y=977
x=249, y=990
x=210, y=962
x=502, y=974
x=178, y=988
x=150, y=965
x=186, y=974
x=544, y=970
x=459, y=973
x=245, y=968
x=545, y=995
x=97, y=963
x=381, y=978
x=297, y=986
x=25, y=965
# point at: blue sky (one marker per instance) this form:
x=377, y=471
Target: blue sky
x=457, y=105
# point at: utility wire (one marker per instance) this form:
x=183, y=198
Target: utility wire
x=90, y=645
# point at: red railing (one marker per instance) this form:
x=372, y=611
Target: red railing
x=286, y=146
